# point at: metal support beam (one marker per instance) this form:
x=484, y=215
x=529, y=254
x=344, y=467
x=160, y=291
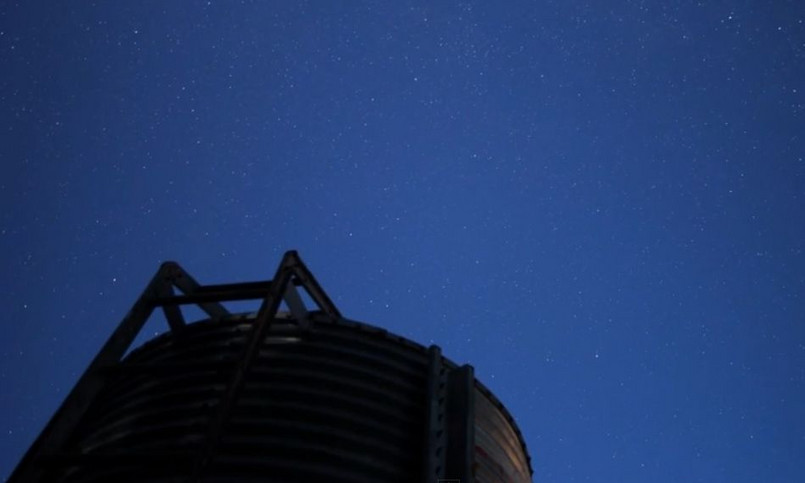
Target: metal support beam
x=188, y=285
x=62, y=424
x=435, y=423
x=309, y=283
x=205, y=297
x=173, y=314
x=160, y=293
x=290, y=267
x=296, y=306
x=461, y=424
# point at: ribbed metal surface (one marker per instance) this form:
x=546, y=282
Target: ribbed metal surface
x=333, y=404
x=342, y=402
x=499, y=454
x=298, y=396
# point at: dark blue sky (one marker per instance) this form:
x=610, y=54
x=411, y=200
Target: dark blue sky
x=600, y=205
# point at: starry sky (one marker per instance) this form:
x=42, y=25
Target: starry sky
x=599, y=205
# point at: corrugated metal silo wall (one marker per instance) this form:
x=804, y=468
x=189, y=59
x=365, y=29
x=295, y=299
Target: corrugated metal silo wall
x=344, y=402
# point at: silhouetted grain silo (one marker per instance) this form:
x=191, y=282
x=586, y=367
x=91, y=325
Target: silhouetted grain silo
x=275, y=396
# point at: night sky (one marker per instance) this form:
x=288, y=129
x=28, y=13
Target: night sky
x=599, y=205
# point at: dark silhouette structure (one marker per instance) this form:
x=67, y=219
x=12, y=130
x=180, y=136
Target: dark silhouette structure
x=297, y=395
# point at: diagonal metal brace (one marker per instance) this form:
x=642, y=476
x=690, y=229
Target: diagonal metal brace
x=188, y=285
x=61, y=425
x=160, y=293
x=290, y=268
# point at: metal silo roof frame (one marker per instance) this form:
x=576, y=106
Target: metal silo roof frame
x=448, y=429
x=160, y=292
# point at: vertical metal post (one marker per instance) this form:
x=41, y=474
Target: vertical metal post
x=461, y=424
x=435, y=434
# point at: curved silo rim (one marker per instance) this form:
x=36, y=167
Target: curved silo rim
x=452, y=365
x=318, y=317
